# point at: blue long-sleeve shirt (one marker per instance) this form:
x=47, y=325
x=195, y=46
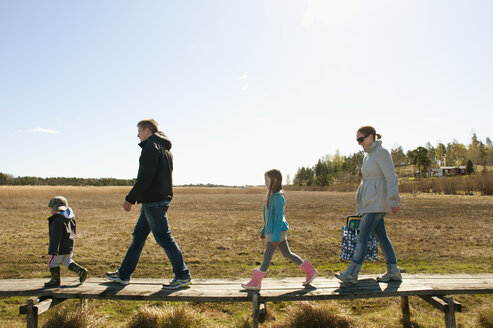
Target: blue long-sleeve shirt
x=275, y=220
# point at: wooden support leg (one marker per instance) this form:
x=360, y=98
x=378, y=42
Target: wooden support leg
x=34, y=307
x=450, y=314
x=32, y=312
x=406, y=313
x=256, y=310
x=447, y=305
x=83, y=303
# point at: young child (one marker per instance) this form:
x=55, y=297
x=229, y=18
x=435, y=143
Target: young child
x=62, y=230
x=274, y=232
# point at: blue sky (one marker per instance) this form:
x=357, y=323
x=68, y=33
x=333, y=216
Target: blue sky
x=240, y=87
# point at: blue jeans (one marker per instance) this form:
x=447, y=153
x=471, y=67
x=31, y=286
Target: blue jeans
x=153, y=218
x=373, y=222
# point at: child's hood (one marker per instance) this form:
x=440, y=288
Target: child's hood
x=68, y=213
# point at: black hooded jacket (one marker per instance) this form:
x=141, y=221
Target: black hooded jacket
x=62, y=234
x=154, y=182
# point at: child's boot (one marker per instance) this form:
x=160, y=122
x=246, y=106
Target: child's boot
x=55, y=278
x=256, y=281
x=73, y=266
x=393, y=273
x=351, y=273
x=311, y=272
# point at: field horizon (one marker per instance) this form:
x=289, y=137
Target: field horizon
x=216, y=228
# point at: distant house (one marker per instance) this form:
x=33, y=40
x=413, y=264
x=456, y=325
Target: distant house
x=449, y=171
x=435, y=172
x=446, y=171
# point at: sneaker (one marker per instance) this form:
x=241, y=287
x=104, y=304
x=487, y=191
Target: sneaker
x=114, y=276
x=178, y=283
x=344, y=277
x=395, y=276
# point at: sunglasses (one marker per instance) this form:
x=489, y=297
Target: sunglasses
x=361, y=139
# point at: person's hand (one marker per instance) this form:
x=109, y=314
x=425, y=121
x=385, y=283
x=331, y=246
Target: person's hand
x=261, y=236
x=395, y=210
x=275, y=243
x=127, y=206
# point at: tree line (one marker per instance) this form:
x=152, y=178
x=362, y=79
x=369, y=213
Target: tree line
x=8, y=179
x=338, y=168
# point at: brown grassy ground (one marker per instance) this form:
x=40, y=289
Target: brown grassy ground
x=216, y=229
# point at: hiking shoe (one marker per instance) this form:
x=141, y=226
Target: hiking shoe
x=178, y=283
x=346, y=277
x=114, y=276
x=394, y=276
x=351, y=273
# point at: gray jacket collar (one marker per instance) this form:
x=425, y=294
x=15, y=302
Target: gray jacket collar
x=373, y=146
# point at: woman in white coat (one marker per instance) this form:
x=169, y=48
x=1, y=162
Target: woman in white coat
x=376, y=196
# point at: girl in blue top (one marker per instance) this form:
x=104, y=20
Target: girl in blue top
x=274, y=232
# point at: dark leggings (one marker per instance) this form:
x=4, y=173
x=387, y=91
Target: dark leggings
x=286, y=252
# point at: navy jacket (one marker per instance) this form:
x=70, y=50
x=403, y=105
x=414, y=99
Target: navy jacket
x=62, y=234
x=154, y=182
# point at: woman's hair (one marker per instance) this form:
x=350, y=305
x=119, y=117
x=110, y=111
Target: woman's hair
x=148, y=124
x=369, y=130
x=275, y=183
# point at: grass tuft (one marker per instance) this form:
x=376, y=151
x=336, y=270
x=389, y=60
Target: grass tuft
x=313, y=315
x=486, y=318
x=70, y=316
x=180, y=316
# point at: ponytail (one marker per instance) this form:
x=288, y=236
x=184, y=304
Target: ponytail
x=369, y=130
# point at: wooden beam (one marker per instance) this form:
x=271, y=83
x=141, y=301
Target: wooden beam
x=41, y=305
x=441, y=304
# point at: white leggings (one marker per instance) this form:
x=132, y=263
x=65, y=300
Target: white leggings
x=55, y=260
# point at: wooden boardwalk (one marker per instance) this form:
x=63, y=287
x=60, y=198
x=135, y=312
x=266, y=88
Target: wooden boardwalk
x=436, y=289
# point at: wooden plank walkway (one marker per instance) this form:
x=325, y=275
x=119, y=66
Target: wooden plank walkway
x=288, y=289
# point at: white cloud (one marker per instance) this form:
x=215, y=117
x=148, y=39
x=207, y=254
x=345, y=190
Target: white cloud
x=243, y=77
x=41, y=130
x=332, y=12
x=245, y=87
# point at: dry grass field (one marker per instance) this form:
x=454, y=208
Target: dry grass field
x=217, y=227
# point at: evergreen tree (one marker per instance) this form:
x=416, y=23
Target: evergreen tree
x=398, y=156
x=420, y=158
x=431, y=153
x=489, y=151
x=469, y=167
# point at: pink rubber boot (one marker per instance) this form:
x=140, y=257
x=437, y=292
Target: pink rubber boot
x=256, y=281
x=311, y=272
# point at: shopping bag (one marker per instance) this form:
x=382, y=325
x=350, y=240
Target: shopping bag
x=349, y=233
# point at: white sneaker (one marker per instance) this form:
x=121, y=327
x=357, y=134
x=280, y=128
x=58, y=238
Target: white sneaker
x=178, y=283
x=114, y=276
